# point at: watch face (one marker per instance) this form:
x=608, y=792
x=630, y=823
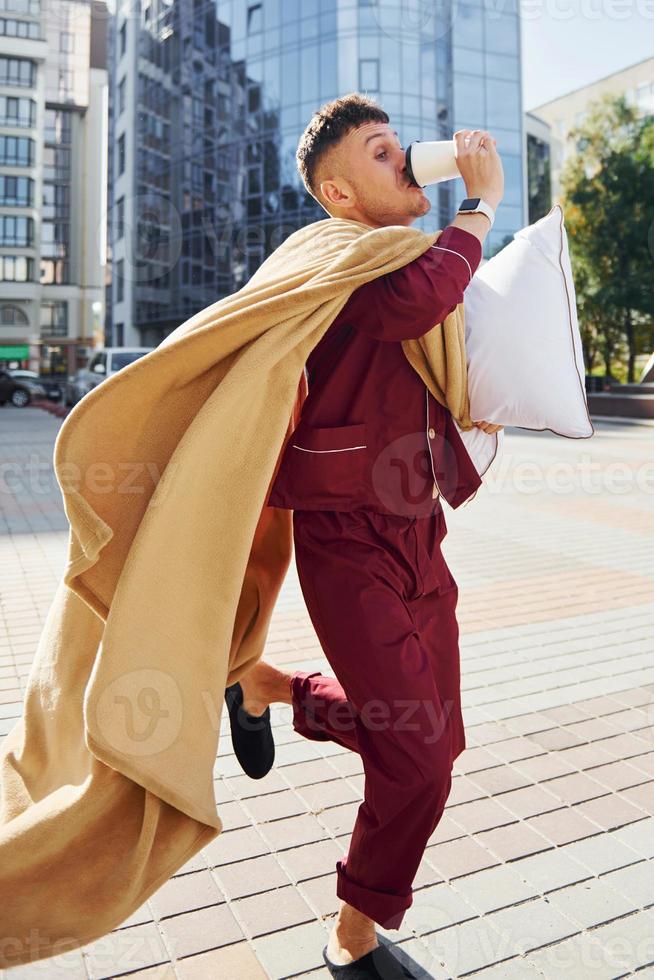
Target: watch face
x=470, y=203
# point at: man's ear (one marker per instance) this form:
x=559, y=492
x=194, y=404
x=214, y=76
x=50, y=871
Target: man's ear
x=330, y=192
x=336, y=193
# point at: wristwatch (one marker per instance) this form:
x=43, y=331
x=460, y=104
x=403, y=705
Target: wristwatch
x=475, y=205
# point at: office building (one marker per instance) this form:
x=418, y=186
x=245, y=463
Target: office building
x=564, y=113
x=208, y=100
x=53, y=149
x=538, y=166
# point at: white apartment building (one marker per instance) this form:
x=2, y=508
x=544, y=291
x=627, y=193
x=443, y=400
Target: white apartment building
x=568, y=111
x=53, y=151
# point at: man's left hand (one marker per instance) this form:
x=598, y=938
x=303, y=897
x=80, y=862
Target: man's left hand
x=488, y=427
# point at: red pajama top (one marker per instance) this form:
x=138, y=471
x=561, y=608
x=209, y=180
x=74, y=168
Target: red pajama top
x=371, y=434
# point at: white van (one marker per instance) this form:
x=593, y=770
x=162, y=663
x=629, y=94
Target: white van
x=104, y=361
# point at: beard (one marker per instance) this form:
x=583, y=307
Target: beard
x=385, y=212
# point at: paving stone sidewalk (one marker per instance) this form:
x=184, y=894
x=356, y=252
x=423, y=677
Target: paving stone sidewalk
x=542, y=865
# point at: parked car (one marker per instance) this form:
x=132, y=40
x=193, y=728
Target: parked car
x=53, y=389
x=19, y=391
x=104, y=362
x=599, y=382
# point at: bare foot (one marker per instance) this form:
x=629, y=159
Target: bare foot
x=262, y=685
x=352, y=937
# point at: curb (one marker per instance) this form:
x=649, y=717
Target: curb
x=622, y=419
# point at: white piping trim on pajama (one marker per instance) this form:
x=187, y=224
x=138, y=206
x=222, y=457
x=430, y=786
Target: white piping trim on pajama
x=345, y=450
x=431, y=458
x=443, y=249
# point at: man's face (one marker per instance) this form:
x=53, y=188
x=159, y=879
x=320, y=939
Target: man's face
x=365, y=178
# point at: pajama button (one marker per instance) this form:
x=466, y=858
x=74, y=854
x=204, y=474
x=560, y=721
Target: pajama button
x=432, y=433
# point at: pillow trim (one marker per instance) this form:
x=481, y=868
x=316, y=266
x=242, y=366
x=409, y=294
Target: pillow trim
x=582, y=386
x=481, y=475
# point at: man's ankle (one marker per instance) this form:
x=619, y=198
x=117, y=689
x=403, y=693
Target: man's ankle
x=277, y=685
x=350, y=920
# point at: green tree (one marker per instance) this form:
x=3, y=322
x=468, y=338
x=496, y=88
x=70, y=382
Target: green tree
x=608, y=201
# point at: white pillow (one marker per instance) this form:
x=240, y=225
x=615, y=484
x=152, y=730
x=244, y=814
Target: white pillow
x=483, y=449
x=524, y=353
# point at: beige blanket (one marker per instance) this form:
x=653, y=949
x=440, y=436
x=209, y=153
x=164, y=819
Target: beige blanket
x=173, y=569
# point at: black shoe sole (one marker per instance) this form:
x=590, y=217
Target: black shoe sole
x=252, y=737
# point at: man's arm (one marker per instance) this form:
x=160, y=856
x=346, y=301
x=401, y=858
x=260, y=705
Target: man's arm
x=405, y=304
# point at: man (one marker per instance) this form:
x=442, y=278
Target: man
x=360, y=474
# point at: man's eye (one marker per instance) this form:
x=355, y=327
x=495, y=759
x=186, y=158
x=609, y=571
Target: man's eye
x=380, y=155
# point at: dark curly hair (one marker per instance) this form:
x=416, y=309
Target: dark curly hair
x=327, y=127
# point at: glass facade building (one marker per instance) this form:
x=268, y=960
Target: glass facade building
x=53, y=94
x=209, y=98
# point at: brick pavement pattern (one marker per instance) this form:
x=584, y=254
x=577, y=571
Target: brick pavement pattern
x=543, y=862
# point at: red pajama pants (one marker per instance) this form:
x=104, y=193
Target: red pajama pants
x=382, y=601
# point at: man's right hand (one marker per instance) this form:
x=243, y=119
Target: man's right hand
x=479, y=164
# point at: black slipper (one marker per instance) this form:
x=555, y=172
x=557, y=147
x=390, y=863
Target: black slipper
x=378, y=964
x=252, y=737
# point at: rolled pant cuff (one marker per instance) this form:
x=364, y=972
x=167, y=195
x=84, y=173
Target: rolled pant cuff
x=301, y=710
x=386, y=909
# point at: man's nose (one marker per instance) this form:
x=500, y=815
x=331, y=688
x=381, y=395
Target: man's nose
x=401, y=162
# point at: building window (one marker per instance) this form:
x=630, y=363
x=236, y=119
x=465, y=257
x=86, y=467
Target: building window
x=54, y=272
x=123, y=38
x=13, y=316
x=15, y=111
x=16, y=151
x=20, y=28
x=120, y=217
x=121, y=154
x=15, y=268
x=66, y=81
x=66, y=42
x=57, y=126
x=56, y=202
x=120, y=281
x=369, y=74
x=17, y=71
x=119, y=331
x=56, y=163
x=255, y=18
x=55, y=226
x=30, y=7
x=121, y=95
x=16, y=191
x=54, y=318
x=16, y=231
